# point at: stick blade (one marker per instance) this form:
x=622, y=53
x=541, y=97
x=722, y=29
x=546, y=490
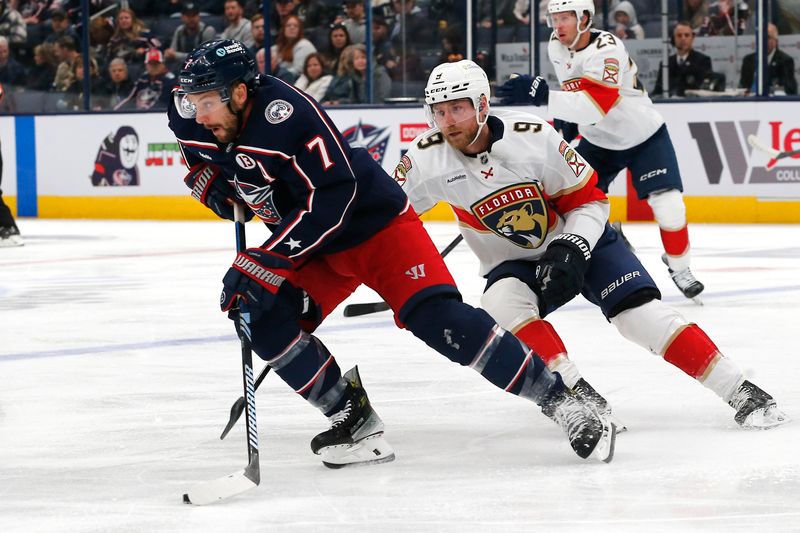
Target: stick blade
x=365, y=309
x=219, y=489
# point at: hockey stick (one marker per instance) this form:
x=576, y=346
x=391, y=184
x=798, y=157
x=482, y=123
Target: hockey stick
x=238, y=406
x=375, y=307
x=238, y=482
x=775, y=155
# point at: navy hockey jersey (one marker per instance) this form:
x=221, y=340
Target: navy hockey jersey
x=296, y=172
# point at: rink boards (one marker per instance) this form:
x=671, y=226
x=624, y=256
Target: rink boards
x=54, y=157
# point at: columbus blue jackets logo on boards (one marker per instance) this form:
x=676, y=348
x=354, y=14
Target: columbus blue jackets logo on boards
x=259, y=199
x=518, y=213
x=373, y=138
x=277, y=111
x=116, y=159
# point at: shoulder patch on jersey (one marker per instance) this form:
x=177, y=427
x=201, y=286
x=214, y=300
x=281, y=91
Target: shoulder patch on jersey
x=611, y=70
x=277, y=111
x=245, y=161
x=575, y=162
x=401, y=169
x=406, y=162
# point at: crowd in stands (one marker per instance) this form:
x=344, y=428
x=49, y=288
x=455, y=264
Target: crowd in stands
x=137, y=46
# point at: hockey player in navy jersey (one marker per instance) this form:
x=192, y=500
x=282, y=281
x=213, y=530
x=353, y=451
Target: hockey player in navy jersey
x=528, y=206
x=337, y=221
x=617, y=120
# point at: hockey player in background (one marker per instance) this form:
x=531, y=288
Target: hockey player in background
x=528, y=206
x=619, y=125
x=9, y=232
x=337, y=221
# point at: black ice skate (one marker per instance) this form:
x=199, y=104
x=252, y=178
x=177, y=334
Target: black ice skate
x=755, y=409
x=586, y=392
x=356, y=433
x=590, y=434
x=685, y=281
x=9, y=236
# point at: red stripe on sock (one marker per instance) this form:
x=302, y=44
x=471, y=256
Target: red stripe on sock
x=676, y=243
x=691, y=350
x=541, y=337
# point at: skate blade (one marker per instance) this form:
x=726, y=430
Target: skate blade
x=604, y=450
x=697, y=300
x=621, y=428
x=767, y=418
x=370, y=450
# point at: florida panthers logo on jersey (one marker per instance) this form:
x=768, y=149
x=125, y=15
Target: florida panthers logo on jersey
x=518, y=213
x=373, y=138
x=259, y=199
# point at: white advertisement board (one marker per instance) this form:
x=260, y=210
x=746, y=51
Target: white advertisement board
x=8, y=145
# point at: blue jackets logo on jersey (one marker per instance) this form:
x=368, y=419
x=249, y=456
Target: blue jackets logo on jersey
x=370, y=137
x=518, y=213
x=259, y=199
x=277, y=111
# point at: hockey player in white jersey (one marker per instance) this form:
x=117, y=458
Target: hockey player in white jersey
x=617, y=120
x=528, y=206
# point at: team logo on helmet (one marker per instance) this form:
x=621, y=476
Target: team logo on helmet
x=519, y=213
x=277, y=111
x=221, y=52
x=373, y=138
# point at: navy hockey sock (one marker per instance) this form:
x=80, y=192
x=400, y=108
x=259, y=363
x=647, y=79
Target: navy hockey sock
x=470, y=337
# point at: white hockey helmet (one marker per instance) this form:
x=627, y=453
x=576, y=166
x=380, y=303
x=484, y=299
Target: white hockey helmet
x=452, y=81
x=576, y=6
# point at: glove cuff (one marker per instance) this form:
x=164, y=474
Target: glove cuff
x=575, y=242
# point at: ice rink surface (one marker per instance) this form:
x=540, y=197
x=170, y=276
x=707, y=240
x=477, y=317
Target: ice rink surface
x=117, y=372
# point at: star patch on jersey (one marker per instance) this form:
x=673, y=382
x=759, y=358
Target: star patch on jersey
x=277, y=111
x=518, y=213
x=611, y=70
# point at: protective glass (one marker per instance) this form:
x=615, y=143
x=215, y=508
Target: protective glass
x=190, y=105
x=448, y=114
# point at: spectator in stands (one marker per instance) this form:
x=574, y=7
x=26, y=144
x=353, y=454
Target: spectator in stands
x=60, y=25
x=276, y=69
x=503, y=10
x=73, y=99
x=722, y=20
x=153, y=89
x=316, y=14
x=280, y=10
x=687, y=67
x=626, y=25
x=314, y=80
x=119, y=85
x=338, y=40
x=131, y=39
x=100, y=32
x=349, y=84
x=34, y=13
x=452, y=46
x=257, y=29
x=695, y=13
x=355, y=22
x=291, y=46
x=12, y=26
x=411, y=22
x=43, y=71
x=381, y=47
x=238, y=27
x=779, y=77
x=188, y=36
x=66, y=50
x=12, y=74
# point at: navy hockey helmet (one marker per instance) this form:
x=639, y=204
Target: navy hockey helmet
x=215, y=66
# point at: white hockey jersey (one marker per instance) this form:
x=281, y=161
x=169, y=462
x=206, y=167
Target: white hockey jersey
x=513, y=199
x=601, y=93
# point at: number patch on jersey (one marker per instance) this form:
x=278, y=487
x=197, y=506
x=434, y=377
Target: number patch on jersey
x=527, y=126
x=519, y=213
x=605, y=39
x=436, y=138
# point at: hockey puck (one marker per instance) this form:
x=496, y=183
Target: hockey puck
x=186, y=499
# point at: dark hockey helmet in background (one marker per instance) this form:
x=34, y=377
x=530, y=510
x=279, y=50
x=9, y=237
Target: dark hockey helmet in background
x=215, y=66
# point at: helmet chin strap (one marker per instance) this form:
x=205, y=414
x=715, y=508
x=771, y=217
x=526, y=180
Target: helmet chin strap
x=580, y=32
x=480, y=124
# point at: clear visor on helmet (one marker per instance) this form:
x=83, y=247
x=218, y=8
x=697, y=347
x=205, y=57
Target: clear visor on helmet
x=448, y=114
x=190, y=105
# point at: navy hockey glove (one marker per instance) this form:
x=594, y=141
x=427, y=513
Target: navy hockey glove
x=560, y=271
x=524, y=89
x=256, y=275
x=568, y=130
x=213, y=190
